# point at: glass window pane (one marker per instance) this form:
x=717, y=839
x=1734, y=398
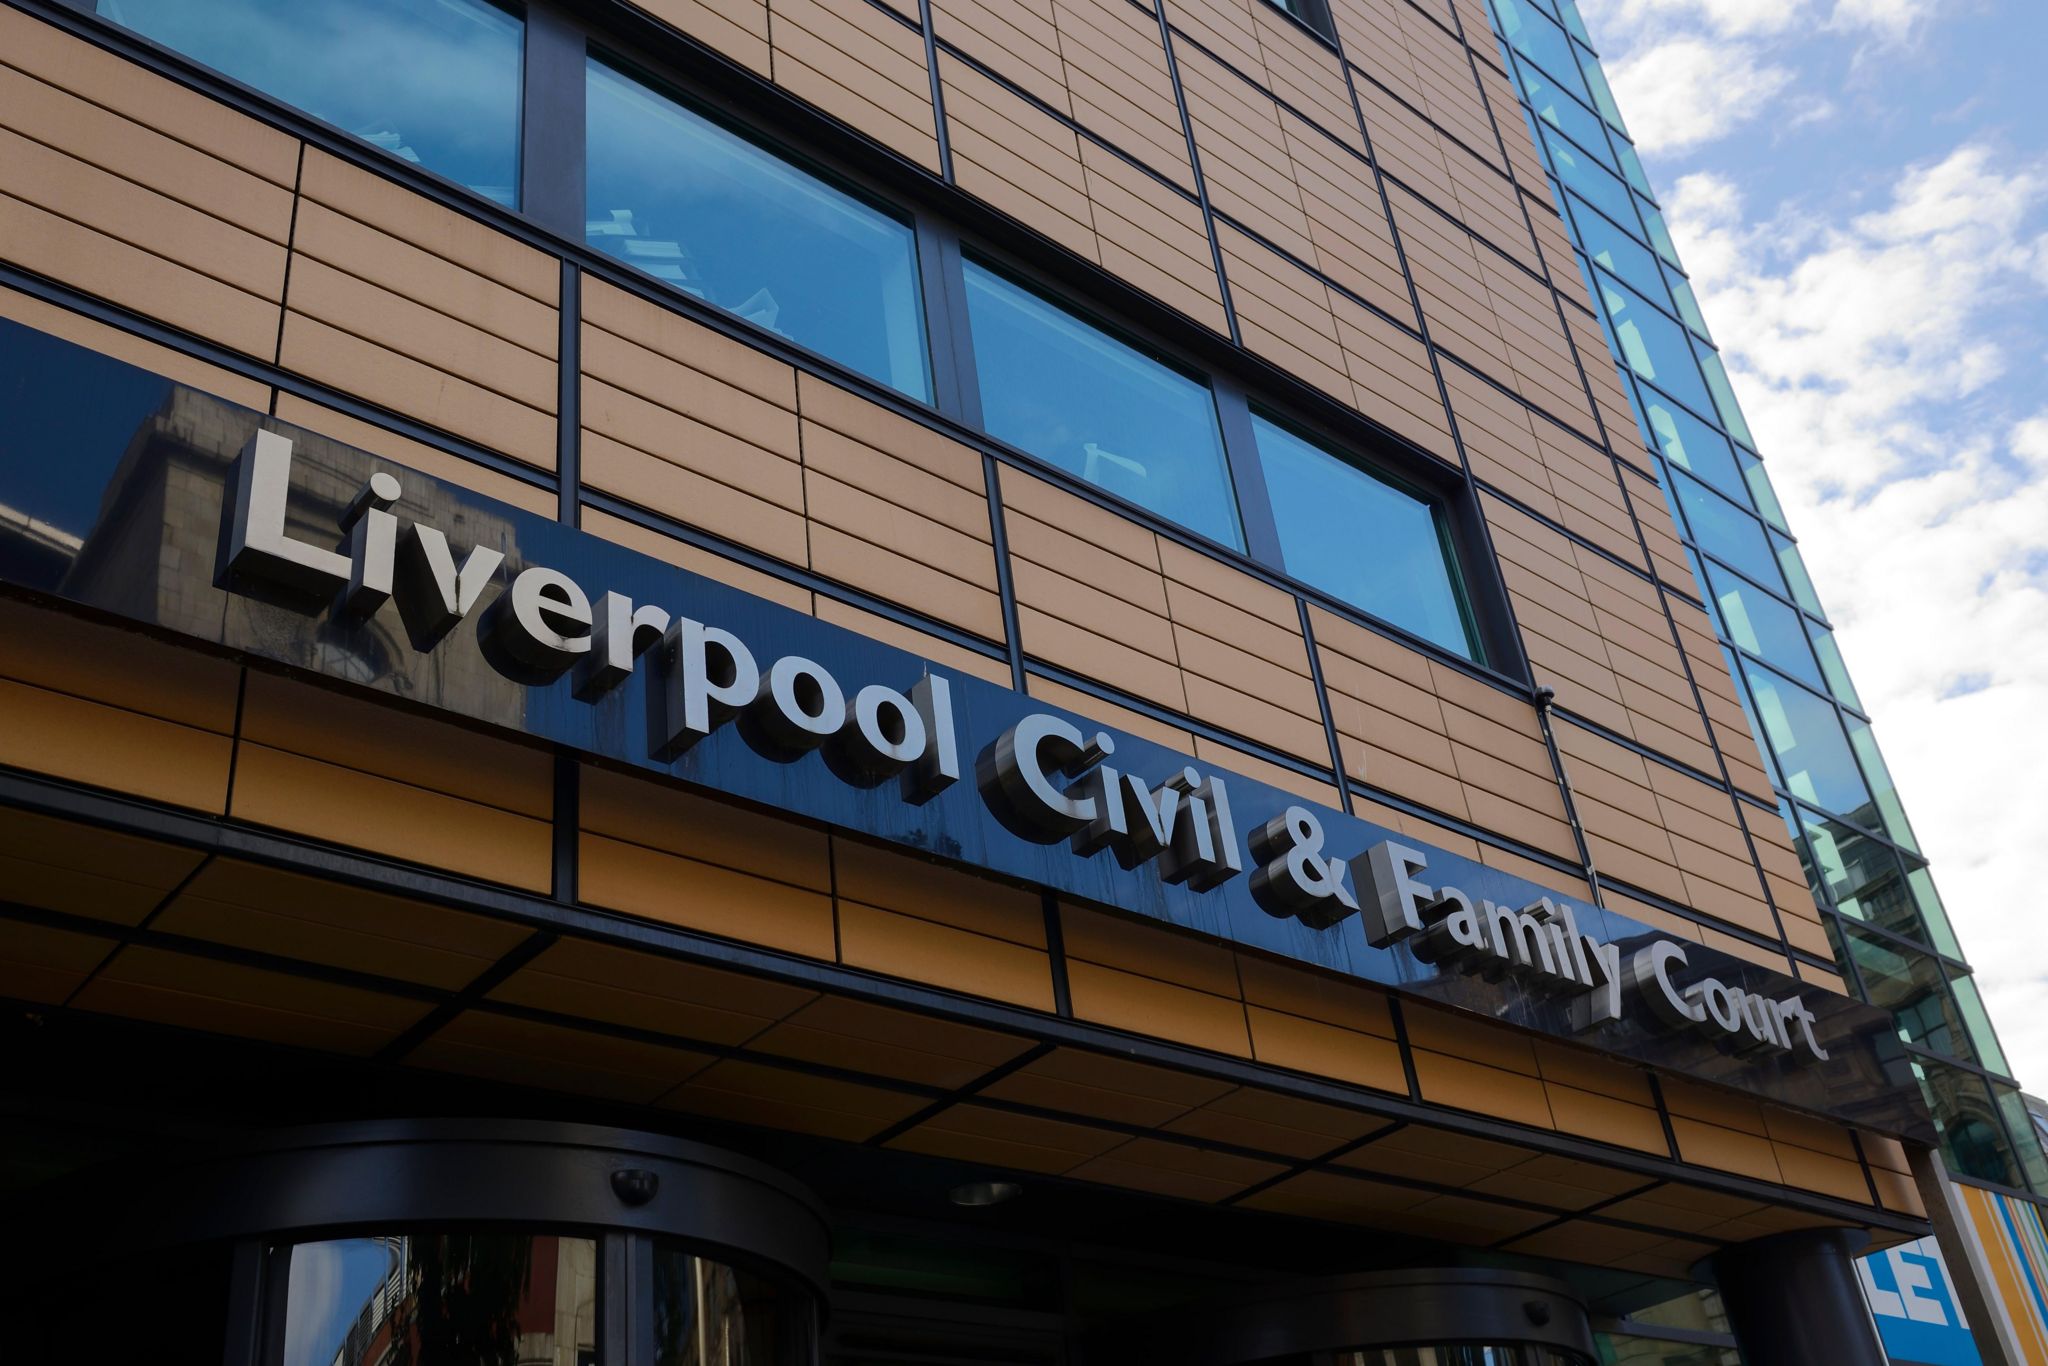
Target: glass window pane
x=1078, y=398
x=436, y=84
x=1660, y=235
x=1909, y=985
x=2026, y=1136
x=1653, y=345
x=708, y=212
x=1693, y=445
x=1724, y=396
x=431, y=1298
x=1603, y=98
x=1831, y=665
x=1362, y=539
x=1688, y=305
x=707, y=1313
x=1618, y=251
x=1569, y=12
x=1756, y=728
x=1632, y=167
x=1932, y=913
x=1863, y=876
x=1762, y=625
x=1599, y=186
x=1978, y=1021
x=1967, y=1128
x=1806, y=737
x=1794, y=568
x=1879, y=777
x=1560, y=110
x=1760, y=490
x=1724, y=530
x=1537, y=36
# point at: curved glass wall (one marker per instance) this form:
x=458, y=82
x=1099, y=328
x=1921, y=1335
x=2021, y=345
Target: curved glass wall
x=1862, y=860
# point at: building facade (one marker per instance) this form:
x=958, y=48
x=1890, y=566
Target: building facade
x=976, y=681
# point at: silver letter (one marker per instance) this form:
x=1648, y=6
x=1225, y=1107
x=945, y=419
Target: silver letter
x=887, y=732
x=710, y=674
x=257, y=545
x=1650, y=973
x=1015, y=773
x=433, y=595
x=939, y=769
x=372, y=544
x=1393, y=898
x=533, y=621
x=621, y=632
x=801, y=704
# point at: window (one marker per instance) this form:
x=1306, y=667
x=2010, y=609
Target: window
x=1076, y=397
x=708, y=212
x=1363, y=539
x=1762, y=625
x=1653, y=345
x=1314, y=13
x=436, y=83
x=1806, y=737
x=1725, y=531
x=434, y=1297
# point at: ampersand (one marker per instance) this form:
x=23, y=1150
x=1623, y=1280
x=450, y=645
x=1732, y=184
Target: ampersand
x=1293, y=877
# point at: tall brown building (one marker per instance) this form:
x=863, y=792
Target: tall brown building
x=988, y=681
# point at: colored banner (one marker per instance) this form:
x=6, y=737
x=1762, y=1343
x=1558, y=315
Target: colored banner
x=1914, y=1302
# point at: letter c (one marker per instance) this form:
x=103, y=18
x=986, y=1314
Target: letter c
x=1015, y=770
x=1649, y=972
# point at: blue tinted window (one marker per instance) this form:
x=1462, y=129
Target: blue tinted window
x=1537, y=36
x=1617, y=251
x=1632, y=167
x=1360, y=538
x=1805, y=734
x=1910, y=985
x=1724, y=396
x=437, y=84
x=1570, y=14
x=1724, y=531
x=1654, y=346
x=1596, y=85
x=1762, y=625
x=1599, y=186
x=1760, y=490
x=1831, y=665
x=1554, y=106
x=1688, y=305
x=710, y=213
x=1794, y=569
x=1864, y=877
x=1692, y=445
x=1078, y=398
x=1660, y=236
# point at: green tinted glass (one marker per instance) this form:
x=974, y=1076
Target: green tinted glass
x=1910, y=985
x=1831, y=665
x=1932, y=913
x=1978, y=1021
x=1881, y=789
x=1967, y=1127
x=2026, y=1137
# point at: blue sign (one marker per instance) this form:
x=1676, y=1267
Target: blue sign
x=1914, y=1303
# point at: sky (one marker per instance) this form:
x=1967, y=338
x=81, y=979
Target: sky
x=1859, y=190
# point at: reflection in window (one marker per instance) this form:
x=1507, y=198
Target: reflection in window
x=1654, y=346
x=1932, y=913
x=1909, y=985
x=437, y=84
x=1725, y=531
x=1863, y=876
x=1561, y=111
x=707, y=1313
x=1879, y=778
x=1660, y=235
x=1724, y=396
x=1806, y=738
x=1692, y=445
x=1794, y=568
x=1688, y=303
x=1536, y=36
x=1966, y=1127
x=708, y=212
x=1076, y=397
x=2026, y=1136
x=1617, y=251
x=1599, y=186
x=1762, y=625
x=1360, y=538
x=1760, y=490
x=1978, y=1021
x=445, y=1299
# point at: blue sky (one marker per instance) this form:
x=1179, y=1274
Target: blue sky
x=1859, y=189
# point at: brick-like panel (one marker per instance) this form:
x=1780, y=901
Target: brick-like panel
x=737, y=28
x=861, y=66
x=1017, y=158
x=372, y=273
x=1285, y=314
x=1119, y=84
x=1152, y=236
x=1243, y=661
x=129, y=187
x=1017, y=39
x=897, y=510
x=690, y=424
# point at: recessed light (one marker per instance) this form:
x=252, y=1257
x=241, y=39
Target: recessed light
x=977, y=1193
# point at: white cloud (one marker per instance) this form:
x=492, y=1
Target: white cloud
x=1687, y=91
x=1731, y=18
x=1868, y=354
x=1889, y=19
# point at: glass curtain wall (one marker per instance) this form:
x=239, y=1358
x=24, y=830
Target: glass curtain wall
x=1835, y=794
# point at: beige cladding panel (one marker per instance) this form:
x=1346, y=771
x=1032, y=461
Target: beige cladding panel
x=861, y=65
x=737, y=28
